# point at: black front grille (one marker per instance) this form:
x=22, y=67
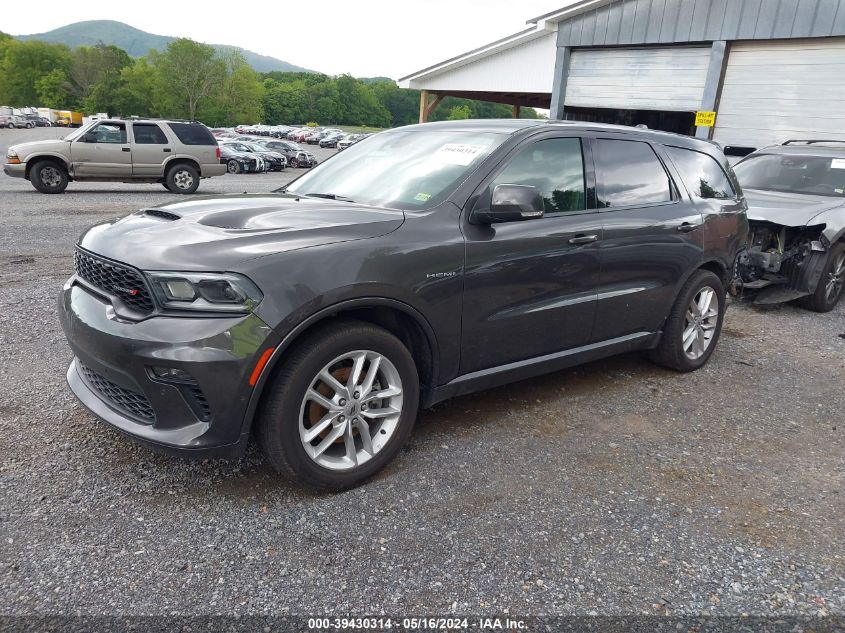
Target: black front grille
x=115, y=279
x=135, y=404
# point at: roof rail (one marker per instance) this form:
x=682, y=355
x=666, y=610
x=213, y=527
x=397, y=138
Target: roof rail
x=813, y=141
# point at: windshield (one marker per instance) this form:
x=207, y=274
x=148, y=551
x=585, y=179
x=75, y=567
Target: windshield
x=791, y=173
x=79, y=131
x=400, y=168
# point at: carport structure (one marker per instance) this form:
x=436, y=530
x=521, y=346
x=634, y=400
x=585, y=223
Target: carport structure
x=770, y=70
x=517, y=70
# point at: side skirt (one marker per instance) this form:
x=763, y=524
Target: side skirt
x=529, y=368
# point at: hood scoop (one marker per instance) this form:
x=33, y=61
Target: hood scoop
x=164, y=215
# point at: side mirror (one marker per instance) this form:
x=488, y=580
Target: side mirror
x=512, y=203
x=89, y=137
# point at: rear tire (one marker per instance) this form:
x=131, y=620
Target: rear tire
x=831, y=284
x=288, y=413
x=694, y=324
x=233, y=167
x=183, y=179
x=48, y=177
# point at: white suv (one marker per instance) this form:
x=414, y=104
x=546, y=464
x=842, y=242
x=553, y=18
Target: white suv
x=175, y=153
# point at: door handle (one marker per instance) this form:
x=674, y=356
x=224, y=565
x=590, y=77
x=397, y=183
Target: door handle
x=125, y=149
x=583, y=239
x=686, y=227
x=166, y=149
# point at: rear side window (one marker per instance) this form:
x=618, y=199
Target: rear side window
x=704, y=177
x=630, y=174
x=556, y=167
x=193, y=134
x=148, y=134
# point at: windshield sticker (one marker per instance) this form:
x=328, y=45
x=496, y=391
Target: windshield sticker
x=458, y=153
x=422, y=197
x=837, y=163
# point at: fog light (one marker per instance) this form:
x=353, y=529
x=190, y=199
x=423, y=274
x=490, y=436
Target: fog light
x=172, y=373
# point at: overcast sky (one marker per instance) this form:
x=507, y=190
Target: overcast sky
x=365, y=38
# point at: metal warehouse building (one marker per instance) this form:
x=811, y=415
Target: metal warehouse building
x=772, y=70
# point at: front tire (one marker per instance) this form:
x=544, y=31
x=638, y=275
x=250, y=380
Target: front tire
x=183, y=179
x=694, y=324
x=341, y=407
x=48, y=177
x=831, y=284
x=293, y=164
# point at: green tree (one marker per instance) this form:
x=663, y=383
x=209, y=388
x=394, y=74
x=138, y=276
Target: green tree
x=53, y=89
x=92, y=65
x=187, y=74
x=23, y=63
x=238, y=98
x=136, y=94
x=459, y=112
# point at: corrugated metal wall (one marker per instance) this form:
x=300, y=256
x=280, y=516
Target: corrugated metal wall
x=665, y=21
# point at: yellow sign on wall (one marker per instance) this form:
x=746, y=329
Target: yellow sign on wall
x=705, y=119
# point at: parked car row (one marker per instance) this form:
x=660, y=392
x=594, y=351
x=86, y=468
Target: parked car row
x=294, y=155
x=326, y=137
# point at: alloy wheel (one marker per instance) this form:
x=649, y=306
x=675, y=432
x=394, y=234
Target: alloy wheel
x=835, y=279
x=700, y=323
x=350, y=410
x=183, y=179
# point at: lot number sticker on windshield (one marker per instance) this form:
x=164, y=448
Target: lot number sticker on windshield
x=837, y=163
x=458, y=153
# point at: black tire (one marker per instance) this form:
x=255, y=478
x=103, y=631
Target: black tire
x=233, y=166
x=670, y=351
x=278, y=421
x=831, y=284
x=11, y=126
x=183, y=178
x=48, y=177
x=293, y=163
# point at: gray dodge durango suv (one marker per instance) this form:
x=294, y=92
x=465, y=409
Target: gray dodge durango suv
x=174, y=153
x=422, y=263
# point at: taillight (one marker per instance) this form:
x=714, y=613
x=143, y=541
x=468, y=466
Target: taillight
x=218, y=152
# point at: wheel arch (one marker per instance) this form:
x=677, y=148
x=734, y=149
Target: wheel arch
x=31, y=161
x=397, y=317
x=172, y=162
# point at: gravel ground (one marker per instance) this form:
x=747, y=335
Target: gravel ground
x=614, y=488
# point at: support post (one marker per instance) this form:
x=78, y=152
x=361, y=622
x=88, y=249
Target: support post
x=559, y=84
x=427, y=108
x=713, y=84
x=515, y=112
x=423, y=105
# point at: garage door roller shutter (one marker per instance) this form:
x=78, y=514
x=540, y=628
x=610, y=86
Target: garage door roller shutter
x=664, y=78
x=776, y=91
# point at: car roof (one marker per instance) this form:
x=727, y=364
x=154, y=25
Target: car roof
x=513, y=126
x=834, y=149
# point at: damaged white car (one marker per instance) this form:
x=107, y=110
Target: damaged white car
x=796, y=211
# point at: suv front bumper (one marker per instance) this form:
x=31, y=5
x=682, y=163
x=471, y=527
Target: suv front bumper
x=112, y=373
x=15, y=170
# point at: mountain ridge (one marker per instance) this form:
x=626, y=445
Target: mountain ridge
x=138, y=43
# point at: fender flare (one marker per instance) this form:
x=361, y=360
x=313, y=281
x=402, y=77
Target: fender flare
x=302, y=326
x=31, y=160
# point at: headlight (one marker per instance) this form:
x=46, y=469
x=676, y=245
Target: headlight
x=10, y=153
x=205, y=292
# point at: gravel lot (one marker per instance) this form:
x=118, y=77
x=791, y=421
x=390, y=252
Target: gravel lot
x=613, y=488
